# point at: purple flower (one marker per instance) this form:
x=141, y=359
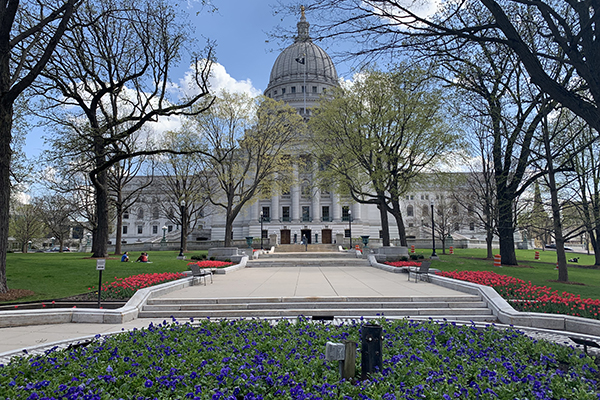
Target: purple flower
x=148, y=383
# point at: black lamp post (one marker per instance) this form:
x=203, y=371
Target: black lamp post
x=164, y=239
x=350, y=225
x=182, y=209
x=261, y=230
x=433, y=254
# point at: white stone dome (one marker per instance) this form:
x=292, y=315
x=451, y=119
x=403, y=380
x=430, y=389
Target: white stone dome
x=302, y=66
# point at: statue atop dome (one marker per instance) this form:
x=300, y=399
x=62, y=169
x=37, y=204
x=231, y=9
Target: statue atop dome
x=303, y=26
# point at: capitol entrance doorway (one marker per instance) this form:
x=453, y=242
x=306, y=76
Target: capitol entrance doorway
x=306, y=232
x=326, y=236
x=285, y=236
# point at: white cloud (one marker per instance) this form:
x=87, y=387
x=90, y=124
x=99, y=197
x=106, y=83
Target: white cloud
x=219, y=80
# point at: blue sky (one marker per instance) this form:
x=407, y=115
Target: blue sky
x=240, y=29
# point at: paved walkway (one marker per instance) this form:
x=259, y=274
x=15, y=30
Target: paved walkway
x=248, y=282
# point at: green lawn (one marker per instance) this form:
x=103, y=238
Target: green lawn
x=584, y=281
x=56, y=275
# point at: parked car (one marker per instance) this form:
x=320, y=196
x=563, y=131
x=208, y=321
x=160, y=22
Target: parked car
x=58, y=249
x=552, y=246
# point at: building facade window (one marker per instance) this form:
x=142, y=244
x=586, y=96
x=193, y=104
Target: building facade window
x=170, y=228
x=347, y=233
x=314, y=89
x=283, y=91
x=410, y=212
x=155, y=213
x=325, y=213
x=265, y=234
x=126, y=215
x=472, y=226
x=345, y=213
x=140, y=213
x=305, y=213
x=285, y=214
x=456, y=226
x=425, y=210
x=293, y=89
x=154, y=229
x=266, y=214
x=140, y=229
x=124, y=229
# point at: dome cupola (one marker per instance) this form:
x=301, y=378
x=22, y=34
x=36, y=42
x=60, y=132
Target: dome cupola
x=302, y=72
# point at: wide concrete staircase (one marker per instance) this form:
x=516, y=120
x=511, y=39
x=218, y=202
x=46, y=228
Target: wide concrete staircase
x=461, y=308
x=308, y=259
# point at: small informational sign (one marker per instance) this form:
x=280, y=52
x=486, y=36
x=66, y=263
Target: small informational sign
x=334, y=351
x=100, y=265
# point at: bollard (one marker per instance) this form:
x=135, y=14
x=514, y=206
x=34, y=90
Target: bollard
x=371, y=349
x=451, y=250
x=497, y=260
x=345, y=353
x=412, y=248
x=537, y=255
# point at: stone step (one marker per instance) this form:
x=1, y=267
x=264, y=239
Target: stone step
x=184, y=306
x=310, y=254
x=286, y=248
x=306, y=263
x=463, y=313
x=323, y=299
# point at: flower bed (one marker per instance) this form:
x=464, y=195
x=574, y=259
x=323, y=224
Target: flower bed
x=528, y=297
x=124, y=288
x=211, y=264
x=254, y=359
x=403, y=263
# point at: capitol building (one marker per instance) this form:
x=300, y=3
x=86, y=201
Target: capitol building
x=301, y=74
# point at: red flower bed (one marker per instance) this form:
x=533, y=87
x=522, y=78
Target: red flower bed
x=124, y=288
x=528, y=297
x=211, y=264
x=403, y=263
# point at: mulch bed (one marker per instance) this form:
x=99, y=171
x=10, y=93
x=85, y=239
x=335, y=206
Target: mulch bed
x=15, y=294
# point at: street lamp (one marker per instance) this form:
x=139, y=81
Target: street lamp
x=29, y=248
x=52, y=238
x=350, y=225
x=164, y=229
x=182, y=209
x=261, y=230
x=433, y=254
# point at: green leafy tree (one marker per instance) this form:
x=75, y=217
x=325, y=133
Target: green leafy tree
x=26, y=224
x=379, y=134
x=248, y=145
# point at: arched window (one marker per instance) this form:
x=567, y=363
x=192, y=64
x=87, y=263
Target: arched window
x=155, y=213
x=410, y=211
x=140, y=213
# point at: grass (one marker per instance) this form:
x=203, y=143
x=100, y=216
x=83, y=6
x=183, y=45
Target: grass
x=56, y=275
x=582, y=281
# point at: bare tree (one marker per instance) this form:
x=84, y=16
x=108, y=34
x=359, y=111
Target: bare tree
x=29, y=33
x=181, y=183
x=56, y=214
x=120, y=176
x=115, y=68
x=379, y=27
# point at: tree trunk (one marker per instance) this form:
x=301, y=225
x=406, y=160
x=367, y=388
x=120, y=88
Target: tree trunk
x=594, y=234
x=385, y=227
x=184, y=228
x=563, y=274
x=489, y=239
x=228, y=228
x=506, y=230
x=6, y=115
x=397, y=213
x=119, y=233
x=100, y=234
